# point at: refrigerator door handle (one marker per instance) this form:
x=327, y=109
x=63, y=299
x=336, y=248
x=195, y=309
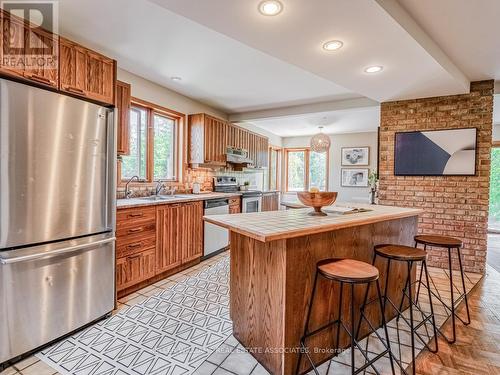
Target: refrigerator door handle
x=50, y=254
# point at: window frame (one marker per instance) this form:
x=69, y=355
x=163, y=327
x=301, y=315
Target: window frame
x=179, y=123
x=307, y=152
x=279, y=156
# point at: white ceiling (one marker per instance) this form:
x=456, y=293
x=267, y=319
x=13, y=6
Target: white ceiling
x=238, y=61
x=334, y=122
x=468, y=31
x=374, y=32
x=157, y=44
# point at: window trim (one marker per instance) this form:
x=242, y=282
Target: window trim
x=179, y=119
x=307, y=151
x=279, y=160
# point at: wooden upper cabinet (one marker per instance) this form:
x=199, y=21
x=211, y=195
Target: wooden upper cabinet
x=123, y=99
x=28, y=52
x=207, y=137
x=86, y=73
x=46, y=74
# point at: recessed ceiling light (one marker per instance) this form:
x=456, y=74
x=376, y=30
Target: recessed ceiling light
x=175, y=78
x=270, y=7
x=332, y=45
x=374, y=69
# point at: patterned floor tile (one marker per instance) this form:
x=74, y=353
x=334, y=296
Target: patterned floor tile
x=172, y=332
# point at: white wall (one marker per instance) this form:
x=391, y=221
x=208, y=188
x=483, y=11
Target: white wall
x=496, y=132
x=156, y=94
x=346, y=194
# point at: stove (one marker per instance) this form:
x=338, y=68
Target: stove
x=251, y=200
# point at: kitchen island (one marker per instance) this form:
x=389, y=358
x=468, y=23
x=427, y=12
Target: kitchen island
x=273, y=263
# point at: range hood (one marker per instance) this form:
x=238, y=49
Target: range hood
x=238, y=156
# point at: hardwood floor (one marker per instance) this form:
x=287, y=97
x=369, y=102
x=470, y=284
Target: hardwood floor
x=477, y=350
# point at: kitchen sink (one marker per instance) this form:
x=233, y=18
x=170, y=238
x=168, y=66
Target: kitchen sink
x=159, y=198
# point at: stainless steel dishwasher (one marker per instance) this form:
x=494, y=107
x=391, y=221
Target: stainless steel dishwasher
x=215, y=238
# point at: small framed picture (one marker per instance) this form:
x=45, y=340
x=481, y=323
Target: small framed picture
x=355, y=156
x=355, y=177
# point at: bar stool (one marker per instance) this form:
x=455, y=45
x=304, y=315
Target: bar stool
x=410, y=256
x=449, y=243
x=350, y=272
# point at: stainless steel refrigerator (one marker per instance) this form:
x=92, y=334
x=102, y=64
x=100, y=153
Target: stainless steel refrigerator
x=57, y=216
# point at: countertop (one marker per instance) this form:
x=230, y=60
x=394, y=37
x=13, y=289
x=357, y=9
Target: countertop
x=275, y=225
x=140, y=202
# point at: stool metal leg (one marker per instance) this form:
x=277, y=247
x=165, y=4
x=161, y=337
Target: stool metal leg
x=382, y=311
x=434, y=327
x=454, y=337
x=463, y=286
x=420, y=277
x=412, y=333
x=303, y=338
x=353, y=362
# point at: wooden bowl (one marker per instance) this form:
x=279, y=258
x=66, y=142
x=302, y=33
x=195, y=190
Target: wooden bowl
x=317, y=200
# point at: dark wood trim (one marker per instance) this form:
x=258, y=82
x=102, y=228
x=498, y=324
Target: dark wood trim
x=180, y=122
x=307, y=151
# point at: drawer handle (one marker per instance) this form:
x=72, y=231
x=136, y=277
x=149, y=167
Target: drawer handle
x=134, y=256
x=75, y=90
x=135, y=230
x=140, y=214
x=134, y=245
x=38, y=78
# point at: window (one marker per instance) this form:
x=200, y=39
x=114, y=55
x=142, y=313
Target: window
x=306, y=169
x=164, y=148
x=134, y=164
x=153, y=143
x=274, y=168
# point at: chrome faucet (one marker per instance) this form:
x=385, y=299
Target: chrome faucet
x=160, y=186
x=129, y=192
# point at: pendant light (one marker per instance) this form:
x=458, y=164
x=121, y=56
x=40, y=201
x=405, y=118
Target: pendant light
x=320, y=142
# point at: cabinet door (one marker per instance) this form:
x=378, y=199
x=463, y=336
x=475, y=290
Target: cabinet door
x=169, y=234
x=133, y=269
x=46, y=74
x=72, y=67
x=100, y=78
x=123, y=96
x=192, y=228
x=270, y=202
x=13, y=44
x=215, y=141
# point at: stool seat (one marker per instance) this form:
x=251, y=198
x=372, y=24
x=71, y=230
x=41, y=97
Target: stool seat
x=348, y=270
x=443, y=241
x=400, y=252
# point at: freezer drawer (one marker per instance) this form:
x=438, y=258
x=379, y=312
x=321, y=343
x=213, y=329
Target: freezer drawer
x=49, y=291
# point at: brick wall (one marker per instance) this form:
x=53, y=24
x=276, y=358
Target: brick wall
x=455, y=206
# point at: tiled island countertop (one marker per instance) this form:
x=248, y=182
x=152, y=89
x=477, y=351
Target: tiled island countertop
x=273, y=262
x=275, y=225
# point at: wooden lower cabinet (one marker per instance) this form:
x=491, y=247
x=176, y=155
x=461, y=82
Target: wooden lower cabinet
x=133, y=269
x=270, y=201
x=235, y=205
x=154, y=240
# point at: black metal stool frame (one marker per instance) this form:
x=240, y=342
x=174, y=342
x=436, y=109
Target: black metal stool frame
x=354, y=342
x=407, y=292
x=462, y=296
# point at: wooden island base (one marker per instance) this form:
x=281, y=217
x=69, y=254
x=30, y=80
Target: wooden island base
x=271, y=283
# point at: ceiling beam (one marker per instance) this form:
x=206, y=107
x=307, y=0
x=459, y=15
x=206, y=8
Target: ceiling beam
x=404, y=19
x=336, y=105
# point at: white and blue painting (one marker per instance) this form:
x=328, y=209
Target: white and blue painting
x=435, y=153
